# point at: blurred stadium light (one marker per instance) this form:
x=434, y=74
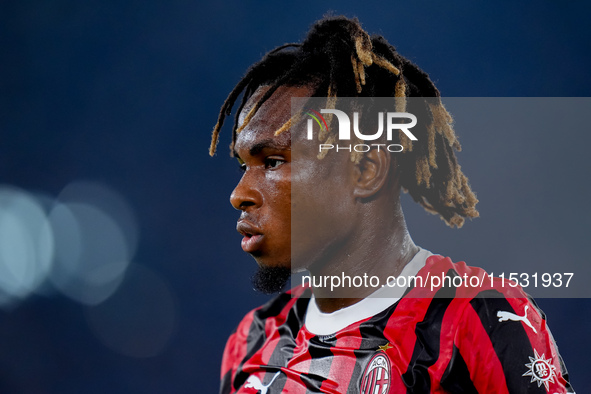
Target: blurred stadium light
x=82, y=243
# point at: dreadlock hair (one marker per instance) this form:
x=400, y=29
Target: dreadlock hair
x=342, y=60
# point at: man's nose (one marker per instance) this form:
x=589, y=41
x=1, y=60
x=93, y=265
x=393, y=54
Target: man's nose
x=246, y=194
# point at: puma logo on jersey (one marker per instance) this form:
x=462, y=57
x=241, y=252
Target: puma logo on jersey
x=504, y=316
x=255, y=383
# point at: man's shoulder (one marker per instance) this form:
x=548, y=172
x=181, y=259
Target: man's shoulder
x=443, y=277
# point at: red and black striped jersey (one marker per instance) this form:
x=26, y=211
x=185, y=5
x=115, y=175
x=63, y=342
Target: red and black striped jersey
x=490, y=338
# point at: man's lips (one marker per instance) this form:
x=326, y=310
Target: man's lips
x=251, y=244
x=252, y=236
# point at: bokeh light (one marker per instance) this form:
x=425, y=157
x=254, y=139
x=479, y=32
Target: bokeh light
x=90, y=252
x=95, y=238
x=81, y=242
x=107, y=200
x=26, y=245
x=139, y=319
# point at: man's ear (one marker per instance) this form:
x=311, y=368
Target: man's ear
x=371, y=173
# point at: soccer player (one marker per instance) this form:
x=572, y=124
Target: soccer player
x=447, y=336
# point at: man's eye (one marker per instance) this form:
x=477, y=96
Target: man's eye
x=273, y=163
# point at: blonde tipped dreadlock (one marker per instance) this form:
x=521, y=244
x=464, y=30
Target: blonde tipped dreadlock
x=215, y=136
x=286, y=126
x=356, y=73
x=363, y=48
x=339, y=59
x=331, y=102
x=248, y=117
x=380, y=61
x=325, y=137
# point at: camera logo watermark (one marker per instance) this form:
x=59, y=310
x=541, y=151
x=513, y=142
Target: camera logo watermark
x=402, y=121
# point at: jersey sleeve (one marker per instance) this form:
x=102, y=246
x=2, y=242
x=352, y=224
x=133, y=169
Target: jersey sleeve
x=234, y=353
x=503, y=345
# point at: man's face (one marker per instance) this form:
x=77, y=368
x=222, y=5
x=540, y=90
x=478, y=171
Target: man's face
x=266, y=196
x=264, y=191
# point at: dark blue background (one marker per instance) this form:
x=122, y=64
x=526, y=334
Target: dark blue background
x=127, y=92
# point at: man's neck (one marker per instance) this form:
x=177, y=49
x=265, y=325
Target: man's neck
x=380, y=250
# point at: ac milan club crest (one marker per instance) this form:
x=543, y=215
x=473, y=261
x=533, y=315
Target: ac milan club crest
x=376, y=377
